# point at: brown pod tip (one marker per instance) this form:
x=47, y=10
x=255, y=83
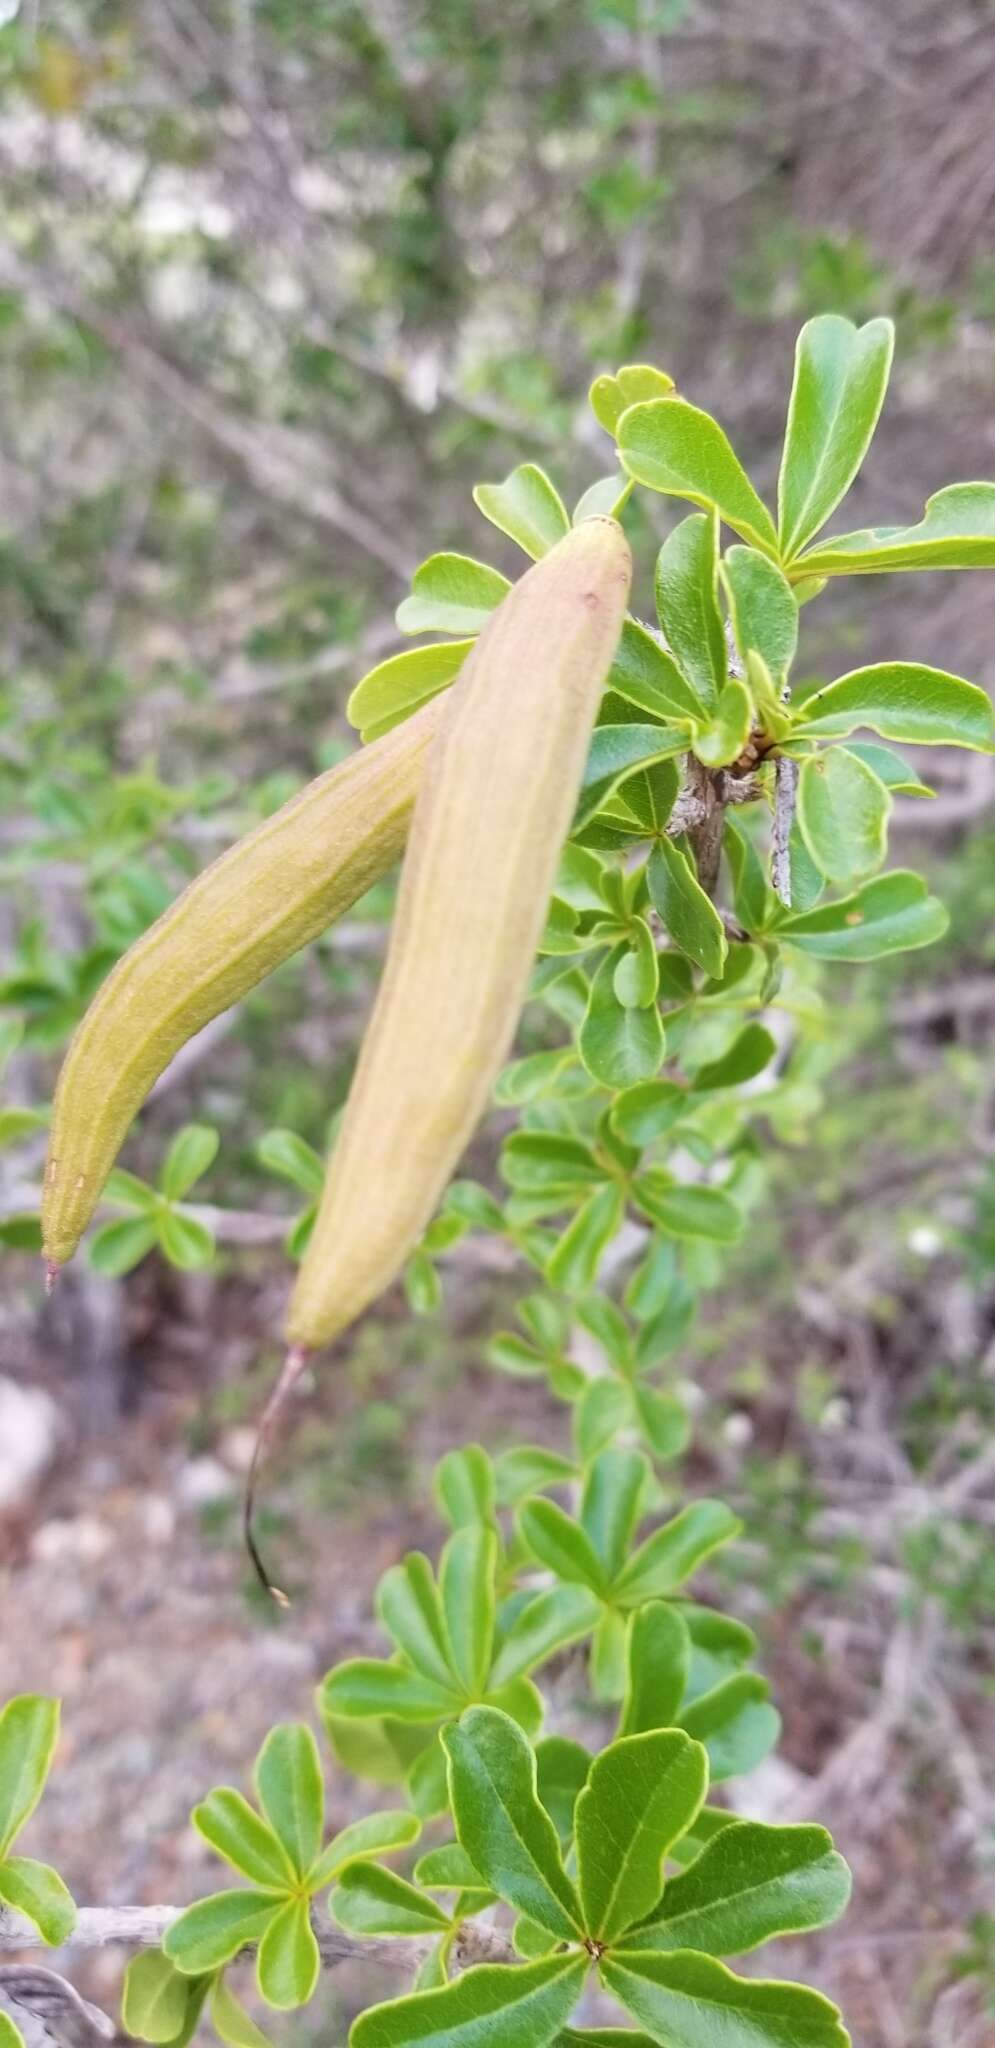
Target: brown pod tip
x=294, y=1365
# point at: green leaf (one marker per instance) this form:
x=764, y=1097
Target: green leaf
x=890, y=768
x=371, y=1900
x=37, y=1891
x=522, y=2007
x=561, y=1773
x=901, y=700
x=536, y=1162
x=662, y=1418
x=611, y=1505
x=466, y=1582
x=687, y=604
x=752, y=900
x=616, y=751
x=672, y=447
x=605, y=499
x=447, y=1868
x=957, y=531
x=407, y=1603
x=236, y=1832
x=212, y=1931
x=750, y=1052
x=547, y=1623
x=672, y=1553
x=841, y=376
x=184, y=1240
x=392, y=690
x=288, y=1964
x=126, y=1191
x=528, y=1469
x=642, y=1795
x=637, y=976
x=685, y=911
x=526, y=507
x=464, y=1486
x=690, y=2001
x=506, y=1833
x=611, y=396
x=154, y=1997
x=645, y=674
x=722, y=741
x=283, y=1152
x=116, y=1248
x=451, y=594
x=648, y=1110
x=29, y=1731
x=751, y=1883
x=617, y=1045
x=291, y=1791
x=573, y=1263
x=376, y=1835
x=687, y=1211
x=366, y=1686
x=601, y=2037
x=842, y=810
x=892, y=914
x=20, y=1123
x=192, y=1151
x=561, y=1544
x=10, y=2036
x=659, y=1655
x=599, y=1414
x=736, y=1723
x=763, y=608
x=230, y=2019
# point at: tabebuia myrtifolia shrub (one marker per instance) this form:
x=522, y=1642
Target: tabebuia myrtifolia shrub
x=714, y=831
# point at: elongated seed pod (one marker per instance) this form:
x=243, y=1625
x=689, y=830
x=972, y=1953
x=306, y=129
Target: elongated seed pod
x=491, y=817
x=262, y=900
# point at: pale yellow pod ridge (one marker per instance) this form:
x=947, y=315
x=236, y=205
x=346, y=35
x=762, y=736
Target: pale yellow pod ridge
x=263, y=899
x=492, y=814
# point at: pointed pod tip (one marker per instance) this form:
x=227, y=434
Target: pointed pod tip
x=294, y=1364
x=52, y=1271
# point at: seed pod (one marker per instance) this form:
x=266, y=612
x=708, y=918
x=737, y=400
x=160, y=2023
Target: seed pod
x=492, y=814
x=267, y=896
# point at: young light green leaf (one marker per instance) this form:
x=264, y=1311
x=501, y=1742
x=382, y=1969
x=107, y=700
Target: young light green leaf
x=506, y=1833
x=957, y=531
x=672, y=1553
x=763, y=608
x=617, y=1045
x=376, y=1835
x=526, y=507
x=648, y=1110
x=723, y=739
x=673, y=447
x=230, y=2019
x=645, y=674
x=843, y=810
x=561, y=1544
x=29, y=1731
x=366, y=1686
x=573, y=1263
x=10, y=2036
x=659, y=1654
x=392, y=690
x=611, y=396
x=841, y=375
x=599, y=1414
x=288, y=1964
x=466, y=1582
x=211, y=1932
x=291, y=1791
x=407, y=1604
x=890, y=768
x=637, y=976
x=684, y=1210
x=248, y=1843
x=371, y=1900
x=116, y=1248
x=642, y=1794
x=686, y=912
x=285, y=1153
x=447, y=1868
x=192, y=1151
x=451, y=594
x=892, y=914
x=689, y=2001
x=750, y=1052
x=37, y=1891
x=612, y=1503
x=901, y=700
x=736, y=1723
x=154, y=1997
x=547, y=1623
x=687, y=604
x=464, y=1486
x=662, y=1418
x=751, y=1883
x=184, y=1240
x=522, y=2007
x=605, y=499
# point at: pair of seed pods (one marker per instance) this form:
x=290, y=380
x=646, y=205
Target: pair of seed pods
x=482, y=785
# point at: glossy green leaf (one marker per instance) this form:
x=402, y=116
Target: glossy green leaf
x=763, y=609
x=645, y=674
x=672, y=447
x=687, y=603
x=615, y=1486
x=230, y=2019
x=637, y=976
x=842, y=810
x=466, y=1582
x=408, y=1605
x=611, y=396
x=154, y=1997
x=526, y=507
x=672, y=1553
x=212, y=1931
x=546, y=1623
x=659, y=1654
x=685, y=911
x=562, y=1767
x=522, y=2007
x=288, y=1964
x=736, y=1723
x=37, y=1891
x=892, y=914
x=750, y=1052
x=723, y=739
x=392, y=690
x=616, y=751
x=558, y=1542
x=366, y=1685
x=901, y=700
x=29, y=1731
x=957, y=531
x=464, y=1486
x=371, y=1900
x=291, y=1791
x=248, y=1843
x=689, y=2001
x=192, y=1151
x=506, y=1833
x=573, y=1263
x=375, y=1835
x=642, y=1794
x=451, y=594
x=447, y=1868
x=750, y=1883
x=618, y=1046
x=890, y=768
x=688, y=1211
x=841, y=376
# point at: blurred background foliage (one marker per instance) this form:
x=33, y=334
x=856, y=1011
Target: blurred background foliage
x=279, y=280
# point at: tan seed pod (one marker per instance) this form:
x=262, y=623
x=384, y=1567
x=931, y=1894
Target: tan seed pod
x=263, y=899
x=494, y=809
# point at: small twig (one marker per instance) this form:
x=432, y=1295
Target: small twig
x=785, y=792
x=146, y=1927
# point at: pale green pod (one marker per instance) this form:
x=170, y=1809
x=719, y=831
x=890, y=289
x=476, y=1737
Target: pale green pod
x=492, y=814
x=263, y=899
